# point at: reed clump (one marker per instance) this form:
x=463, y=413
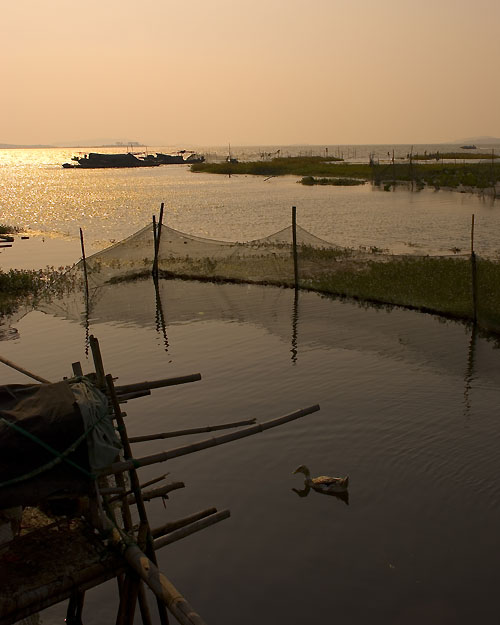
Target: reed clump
x=23, y=286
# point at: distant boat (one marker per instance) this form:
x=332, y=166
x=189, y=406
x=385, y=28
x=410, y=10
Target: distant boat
x=95, y=160
x=175, y=159
x=468, y=147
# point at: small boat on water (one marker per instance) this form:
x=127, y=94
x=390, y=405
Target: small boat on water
x=96, y=160
x=468, y=147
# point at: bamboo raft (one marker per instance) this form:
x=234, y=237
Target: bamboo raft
x=99, y=540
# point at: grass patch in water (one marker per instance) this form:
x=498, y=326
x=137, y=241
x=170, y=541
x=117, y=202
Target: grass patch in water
x=336, y=182
x=438, y=285
x=479, y=175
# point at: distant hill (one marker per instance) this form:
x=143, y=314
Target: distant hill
x=13, y=146
x=476, y=140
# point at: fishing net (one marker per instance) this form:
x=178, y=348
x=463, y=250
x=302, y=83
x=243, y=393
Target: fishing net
x=452, y=284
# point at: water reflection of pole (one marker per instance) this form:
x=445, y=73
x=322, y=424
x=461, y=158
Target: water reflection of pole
x=295, y=325
x=160, y=318
x=469, y=372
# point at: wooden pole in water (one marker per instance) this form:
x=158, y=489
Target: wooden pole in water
x=158, y=235
x=155, y=235
x=294, y=241
x=473, y=273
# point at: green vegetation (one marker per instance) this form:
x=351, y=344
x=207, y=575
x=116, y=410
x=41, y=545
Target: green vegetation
x=4, y=229
x=440, y=285
x=479, y=175
x=336, y=182
x=19, y=287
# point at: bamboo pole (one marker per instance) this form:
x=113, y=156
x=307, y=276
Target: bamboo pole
x=197, y=526
x=155, y=234
x=156, y=532
x=158, y=236
x=13, y=365
x=125, y=397
x=164, y=590
x=148, y=385
x=206, y=443
x=200, y=430
x=85, y=274
x=162, y=491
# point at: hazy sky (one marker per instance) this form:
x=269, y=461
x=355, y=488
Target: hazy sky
x=208, y=72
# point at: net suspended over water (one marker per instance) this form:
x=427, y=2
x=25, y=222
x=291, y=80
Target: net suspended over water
x=269, y=259
x=459, y=285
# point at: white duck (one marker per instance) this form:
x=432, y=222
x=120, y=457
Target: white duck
x=324, y=484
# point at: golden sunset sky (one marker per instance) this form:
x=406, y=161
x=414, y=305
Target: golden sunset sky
x=206, y=72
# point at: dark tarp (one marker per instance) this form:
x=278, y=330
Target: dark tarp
x=50, y=413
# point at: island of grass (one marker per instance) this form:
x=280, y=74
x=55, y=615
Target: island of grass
x=479, y=175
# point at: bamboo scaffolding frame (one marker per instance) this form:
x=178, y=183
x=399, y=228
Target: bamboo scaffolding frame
x=199, y=430
x=192, y=528
x=206, y=443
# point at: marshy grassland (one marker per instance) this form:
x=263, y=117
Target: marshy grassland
x=481, y=175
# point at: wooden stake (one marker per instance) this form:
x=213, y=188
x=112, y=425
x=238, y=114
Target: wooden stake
x=294, y=240
x=473, y=273
x=154, y=270
x=206, y=443
x=85, y=274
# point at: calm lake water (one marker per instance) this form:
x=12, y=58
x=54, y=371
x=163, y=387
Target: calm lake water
x=408, y=402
